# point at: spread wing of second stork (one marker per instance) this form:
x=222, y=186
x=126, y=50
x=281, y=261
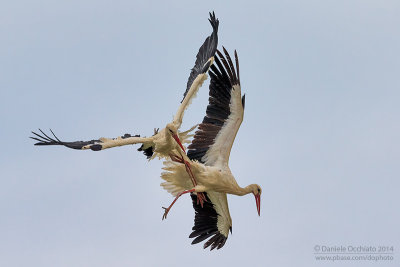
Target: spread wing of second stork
x=211, y=146
x=159, y=144
x=198, y=74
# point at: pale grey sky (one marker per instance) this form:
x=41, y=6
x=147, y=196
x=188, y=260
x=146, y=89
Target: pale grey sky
x=320, y=135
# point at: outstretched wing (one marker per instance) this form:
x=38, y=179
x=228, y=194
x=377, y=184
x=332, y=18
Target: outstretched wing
x=98, y=144
x=204, y=60
x=45, y=140
x=212, y=221
x=214, y=138
x=198, y=74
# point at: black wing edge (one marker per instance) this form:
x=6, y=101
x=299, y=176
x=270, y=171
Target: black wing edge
x=223, y=77
x=206, y=51
x=205, y=225
x=45, y=140
x=148, y=151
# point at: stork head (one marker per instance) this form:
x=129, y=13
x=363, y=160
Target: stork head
x=256, y=190
x=172, y=128
x=173, y=131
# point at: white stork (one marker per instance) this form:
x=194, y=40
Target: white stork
x=209, y=156
x=167, y=142
x=162, y=143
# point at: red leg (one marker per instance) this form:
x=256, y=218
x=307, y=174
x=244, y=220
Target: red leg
x=173, y=202
x=200, y=196
x=187, y=166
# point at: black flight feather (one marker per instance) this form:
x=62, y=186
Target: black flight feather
x=206, y=224
x=206, y=51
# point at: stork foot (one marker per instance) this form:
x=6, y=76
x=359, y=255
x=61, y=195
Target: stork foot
x=173, y=202
x=165, y=213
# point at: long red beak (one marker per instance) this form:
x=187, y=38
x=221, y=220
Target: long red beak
x=178, y=141
x=258, y=203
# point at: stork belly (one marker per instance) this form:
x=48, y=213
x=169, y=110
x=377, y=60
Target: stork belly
x=177, y=179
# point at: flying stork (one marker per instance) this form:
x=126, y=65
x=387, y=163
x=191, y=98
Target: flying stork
x=169, y=141
x=209, y=157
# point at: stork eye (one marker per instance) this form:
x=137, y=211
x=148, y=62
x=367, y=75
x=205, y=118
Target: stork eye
x=258, y=189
